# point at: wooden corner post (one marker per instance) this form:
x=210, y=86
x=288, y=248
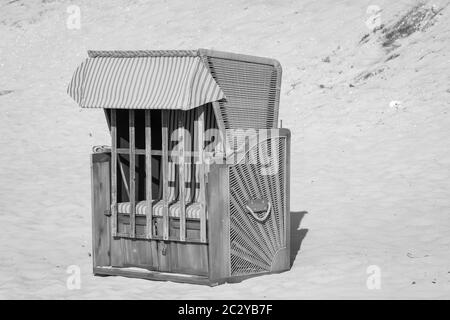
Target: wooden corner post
x=113, y=173
x=148, y=175
x=218, y=223
x=165, y=171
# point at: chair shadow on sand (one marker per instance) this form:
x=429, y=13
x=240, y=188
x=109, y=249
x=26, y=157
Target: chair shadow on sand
x=297, y=234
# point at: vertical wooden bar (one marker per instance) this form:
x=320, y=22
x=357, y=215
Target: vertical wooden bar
x=165, y=168
x=201, y=168
x=148, y=174
x=181, y=159
x=132, y=174
x=218, y=223
x=101, y=196
x=113, y=173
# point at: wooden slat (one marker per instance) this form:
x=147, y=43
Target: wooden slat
x=101, y=196
x=113, y=172
x=171, y=238
x=201, y=167
x=127, y=151
x=132, y=173
x=218, y=222
x=153, y=275
x=148, y=173
x=165, y=168
x=181, y=160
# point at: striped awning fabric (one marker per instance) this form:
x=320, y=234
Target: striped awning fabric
x=143, y=81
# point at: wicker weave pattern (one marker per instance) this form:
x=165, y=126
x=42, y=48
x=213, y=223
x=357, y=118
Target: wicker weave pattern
x=252, y=92
x=254, y=244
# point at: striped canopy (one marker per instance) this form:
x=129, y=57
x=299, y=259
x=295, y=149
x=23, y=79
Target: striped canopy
x=143, y=80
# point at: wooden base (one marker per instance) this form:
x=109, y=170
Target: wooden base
x=140, y=273
x=153, y=275
x=205, y=263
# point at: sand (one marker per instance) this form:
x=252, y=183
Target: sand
x=370, y=150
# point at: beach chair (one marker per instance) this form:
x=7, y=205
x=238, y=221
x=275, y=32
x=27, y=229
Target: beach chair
x=195, y=185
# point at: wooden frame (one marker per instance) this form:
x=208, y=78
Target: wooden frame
x=132, y=174
x=153, y=275
x=165, y=171
x=102, y=228
x=160, y=247
x=114, y=172
x=216, y=250
x=201, y=138
x=148, y=175
x=181, y=165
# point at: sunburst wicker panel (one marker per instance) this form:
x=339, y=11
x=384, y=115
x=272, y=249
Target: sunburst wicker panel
x=254, y=244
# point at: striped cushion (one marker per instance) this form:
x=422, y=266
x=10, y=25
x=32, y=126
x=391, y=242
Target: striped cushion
x=125, y=207
x=192, y=210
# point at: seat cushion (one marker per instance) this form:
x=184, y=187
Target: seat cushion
x=125, y=207
x=192, y=210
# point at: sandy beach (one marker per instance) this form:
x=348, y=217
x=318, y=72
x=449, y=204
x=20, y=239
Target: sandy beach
x=370, y=123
